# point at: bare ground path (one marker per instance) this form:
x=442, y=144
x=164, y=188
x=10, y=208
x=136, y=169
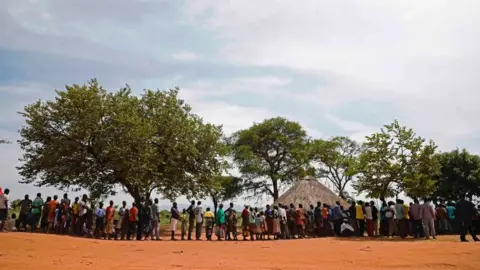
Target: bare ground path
x=23, y=251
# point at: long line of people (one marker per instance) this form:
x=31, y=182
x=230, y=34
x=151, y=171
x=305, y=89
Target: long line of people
x=82, y=218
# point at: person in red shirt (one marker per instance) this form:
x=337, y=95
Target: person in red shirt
x=133, y=218
x=110, y=214
x=299, y=220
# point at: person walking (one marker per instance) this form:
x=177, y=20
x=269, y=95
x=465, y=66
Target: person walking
x=465, y=213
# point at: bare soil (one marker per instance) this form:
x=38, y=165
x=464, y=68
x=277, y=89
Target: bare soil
x=24, y=251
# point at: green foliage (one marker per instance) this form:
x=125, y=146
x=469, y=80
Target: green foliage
x=2, y=141
x=15, y=207
x=459, y=177
x=97, y=140
x=396, y=160
x=337, y=159
x=225, y=188
x=270, y=154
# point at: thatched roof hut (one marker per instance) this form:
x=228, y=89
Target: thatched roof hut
x=309, y=191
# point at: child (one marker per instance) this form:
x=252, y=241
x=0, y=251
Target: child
x=11, y=224
x=183, y=222
x=100, y=221
x=258, y=227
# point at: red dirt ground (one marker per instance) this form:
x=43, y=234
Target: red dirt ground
x=21, y=251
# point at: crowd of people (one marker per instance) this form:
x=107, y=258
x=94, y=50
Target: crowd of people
x=141, y=222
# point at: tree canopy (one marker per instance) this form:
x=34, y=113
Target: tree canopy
x=270, y=154
x=337, y=160
x=459, y=175
x=225, y=188
x=97, y=140
x=394, y=160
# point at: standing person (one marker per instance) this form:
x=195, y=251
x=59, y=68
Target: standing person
x=4, y=209
x=300, y=221
x=276, y=223
x=36, y=212
x=75, y=211
x=89, y=220
x=428, y=214
x=227, y=228
x=352, y=212
x=99, y=221
x=292, y=221
x=400, y=218
x=408, y=226
x=209, y=223
x=390, y=218
x=155, y=220
x=198, y=220
x=311, y=220
x=147, y=219
x=451, y=217
x=183, y=223
x=269, y=220
x=369, y=218
x=44, y=219
x=251, y=223
x=374, y=218
x=317, y=214
x=110, y=216
x=465, y=213
x=52, y=208
x=416, y=219
x=175, y=215
x=191, y=219
x=25, y=214
x=231, y=223
x=245, y=223
x=337, y=218
x=442, y=219
x=283, y=221
x=65, y=200
x=360, y=216
x=383, y=220
x=121, y=227
x=220, y=222
x=132, y=220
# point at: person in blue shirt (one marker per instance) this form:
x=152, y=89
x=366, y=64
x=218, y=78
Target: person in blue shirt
x=451, y=217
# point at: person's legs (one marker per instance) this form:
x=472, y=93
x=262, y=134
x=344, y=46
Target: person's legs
x=191, y=225
x=198, y=231
x=432, y=227
x=463, y=231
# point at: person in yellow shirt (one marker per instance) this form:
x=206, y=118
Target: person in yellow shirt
x=75, y=211
x=408, y=226
x=360, y=216
x=209, y=223
x=183, y=223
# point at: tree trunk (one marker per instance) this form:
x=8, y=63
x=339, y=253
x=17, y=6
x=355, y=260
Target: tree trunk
x=275, y=190
x=215, y=205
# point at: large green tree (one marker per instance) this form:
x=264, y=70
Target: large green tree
x=459, y=175
x=270, y=154
x=395, y=160
x=337, y=160
x=97, y=140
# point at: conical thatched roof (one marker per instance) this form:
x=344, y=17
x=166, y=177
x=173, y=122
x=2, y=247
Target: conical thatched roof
x=309, y=191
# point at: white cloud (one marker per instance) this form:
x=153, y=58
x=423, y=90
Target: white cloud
x=184, y=56
x=421, y=55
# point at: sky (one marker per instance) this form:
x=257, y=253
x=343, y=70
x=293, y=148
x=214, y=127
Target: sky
x=336, y=67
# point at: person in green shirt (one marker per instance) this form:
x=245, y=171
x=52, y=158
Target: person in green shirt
x=220, y=222
x=36, y=212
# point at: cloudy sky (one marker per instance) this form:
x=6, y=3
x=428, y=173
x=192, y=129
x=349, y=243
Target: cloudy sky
x=337, y=67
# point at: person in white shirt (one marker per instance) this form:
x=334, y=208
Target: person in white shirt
x=369, y=217
x=283, y=221
x=11, y=224
x=4, y=209
x=198, y=220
